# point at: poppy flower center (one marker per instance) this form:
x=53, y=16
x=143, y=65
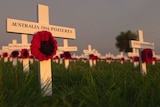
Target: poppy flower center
x=25, y=53
x=47, y=47
x=67, y=55
x=15, y=54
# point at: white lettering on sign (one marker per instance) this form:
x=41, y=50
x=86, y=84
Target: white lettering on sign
x=25, y=27
x=19, y=46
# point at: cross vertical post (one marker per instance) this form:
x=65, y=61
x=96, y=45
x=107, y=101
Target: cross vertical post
x=45, y=66
x=142, y=64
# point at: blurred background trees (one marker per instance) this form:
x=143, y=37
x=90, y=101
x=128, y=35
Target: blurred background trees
x=123, y=39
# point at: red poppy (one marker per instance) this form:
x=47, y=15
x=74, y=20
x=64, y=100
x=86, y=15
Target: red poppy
x=130, y=57
x=122, y=59
x=61, y=55
x=85, y=59
x=136, y=58
x=109, y=58
x=14, y=54
x=24, y=53
x=91, y=56
x=96, y=58
x=5, y=54
x=43, y=45
x=67, y=55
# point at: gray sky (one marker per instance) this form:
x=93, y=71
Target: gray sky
x=97, y=22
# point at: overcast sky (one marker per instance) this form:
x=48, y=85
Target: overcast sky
x=97, y=22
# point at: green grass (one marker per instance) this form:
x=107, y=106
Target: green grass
x=104, y=85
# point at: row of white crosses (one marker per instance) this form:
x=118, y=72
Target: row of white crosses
x=140, y=44
x=24, y=45
x=18, y=47
x=108, y=56
x=25, y=27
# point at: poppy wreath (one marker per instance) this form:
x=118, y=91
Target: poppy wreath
x=122, y=59
x=14, y=54
x=67, y=55
x=61, y=55
x=136, y=58
x=130, y=57
x=154, y=59
x=5, y=54
x=43, y=45
x=24, y=53
x=91, y=56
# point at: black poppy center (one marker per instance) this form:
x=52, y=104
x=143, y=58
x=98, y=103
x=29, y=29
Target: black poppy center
x=15, y=54
x=67, y=54
x=25, y=53
x=47, y=47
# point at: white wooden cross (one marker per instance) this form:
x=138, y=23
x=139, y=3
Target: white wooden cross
x=18, y=47
x=96, y=53
x=15, y=46
x=88, y=52
x=66, y=48
x=140, y=44
x=24, y=39
x=25, y=27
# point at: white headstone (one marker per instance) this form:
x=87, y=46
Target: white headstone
x=15, y=46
